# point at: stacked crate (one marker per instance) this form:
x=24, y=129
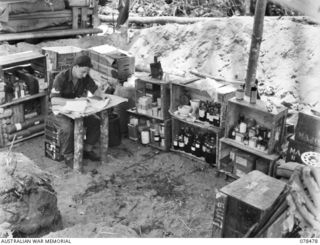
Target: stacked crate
x=306, y=138
x=52, y=143
x=112, y=65
x=58, y=59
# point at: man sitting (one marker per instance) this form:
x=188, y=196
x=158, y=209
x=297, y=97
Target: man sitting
x=70, y=84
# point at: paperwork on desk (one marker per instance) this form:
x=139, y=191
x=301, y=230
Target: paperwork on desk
x=85, y=107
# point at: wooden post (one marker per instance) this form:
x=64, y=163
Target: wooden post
x=255, y=44
x=84, y=17
x=75, y=17
x=104, y=136
x=78, y=144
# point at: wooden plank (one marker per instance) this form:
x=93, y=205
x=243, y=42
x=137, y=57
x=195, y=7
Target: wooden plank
x=84, y=17
x=46, y=34
x=271, y=157
x=104, y=136
x=13, y=59
x=75, y=17
x=39, y=15
x=29, y=137
x=21, y=100
x=220, y=207
x=78, y=144
x=198, y=124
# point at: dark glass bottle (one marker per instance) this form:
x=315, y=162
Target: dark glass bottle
x=210, y=114
x=188, y=135
x=211, y=152
x=198, y=146
x=193, y=145
x=217, y=111
x=202, y=111
x=176, y=142
x=181, y=139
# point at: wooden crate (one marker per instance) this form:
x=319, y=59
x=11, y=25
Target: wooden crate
x=177, y=124
x=102, y=80
x=228, y=147
x=200, y=89
x=158, y=89
x=249, y=199
x=273, y=121
x=113, y=62
x=308, y=129
x=296, y=148
x=14, y=112
x=60, y=58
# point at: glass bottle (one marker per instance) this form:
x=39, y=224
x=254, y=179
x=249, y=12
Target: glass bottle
x=210, y=114
x=181, y=140
x=198, y=146
x=211, y=151
x=188, y=140
x=176, y=142
x=202, y=111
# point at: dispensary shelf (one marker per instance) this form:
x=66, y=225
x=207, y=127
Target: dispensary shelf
x=26, y=98
x=271, y=157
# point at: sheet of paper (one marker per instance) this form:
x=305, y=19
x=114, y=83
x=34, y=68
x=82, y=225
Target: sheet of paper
x=76, y=106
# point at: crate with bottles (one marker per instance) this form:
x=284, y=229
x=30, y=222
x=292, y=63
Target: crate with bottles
x=259, y=126
x=149, y=131
x=201, y=103
x=195, y=142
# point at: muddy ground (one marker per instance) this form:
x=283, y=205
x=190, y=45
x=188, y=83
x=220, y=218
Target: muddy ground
x=140, y=192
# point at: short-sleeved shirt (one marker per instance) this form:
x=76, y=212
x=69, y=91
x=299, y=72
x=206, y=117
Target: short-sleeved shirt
x=63, y=86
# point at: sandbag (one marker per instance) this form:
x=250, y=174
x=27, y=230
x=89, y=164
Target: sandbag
x=28, y=203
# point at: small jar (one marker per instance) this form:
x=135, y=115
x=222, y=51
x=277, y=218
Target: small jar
x=239, y=94
x=243, y=127
x=145, y=136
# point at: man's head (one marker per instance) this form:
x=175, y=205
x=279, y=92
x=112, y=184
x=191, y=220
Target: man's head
x=81, y=66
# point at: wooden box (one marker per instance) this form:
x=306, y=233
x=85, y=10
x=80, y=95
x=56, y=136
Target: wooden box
x=204, y=90
x=228, y=150
x=113, y=62
x=81, y=3
x=60, y=58
x=17, y=111
x=296, y=148
x=177, y=124
x=308, y=129
x=249, y=199
x=102, y=80
x=273, y=121
x=158, y=90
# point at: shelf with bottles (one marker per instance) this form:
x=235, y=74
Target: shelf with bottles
x=254, y=127
x=152, y=132
x=152, y=97
x=236, y=160
x=196, y=142
x=23, y=100
x=201, y=103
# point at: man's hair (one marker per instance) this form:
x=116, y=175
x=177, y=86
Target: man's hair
x=83, y=61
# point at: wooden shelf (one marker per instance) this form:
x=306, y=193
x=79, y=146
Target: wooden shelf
x=198, y=124
x=15, y=59
x=271, y=157
x=26, y=98
x=26, y=138
x=148, y=79
x=134, y=111
x=260, y=106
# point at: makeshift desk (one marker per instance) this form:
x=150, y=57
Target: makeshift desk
x=79, y=129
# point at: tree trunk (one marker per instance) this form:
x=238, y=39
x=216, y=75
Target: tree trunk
x=255, y=44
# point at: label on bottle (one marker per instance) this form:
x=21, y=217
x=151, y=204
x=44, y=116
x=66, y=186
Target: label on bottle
x=204, y=149
x=202, y=113
x=181, y=144
x=193, y=148
x=18, y=126
x=197, y=146
x=186, y=140
x=175, y=143
x=210, y=117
